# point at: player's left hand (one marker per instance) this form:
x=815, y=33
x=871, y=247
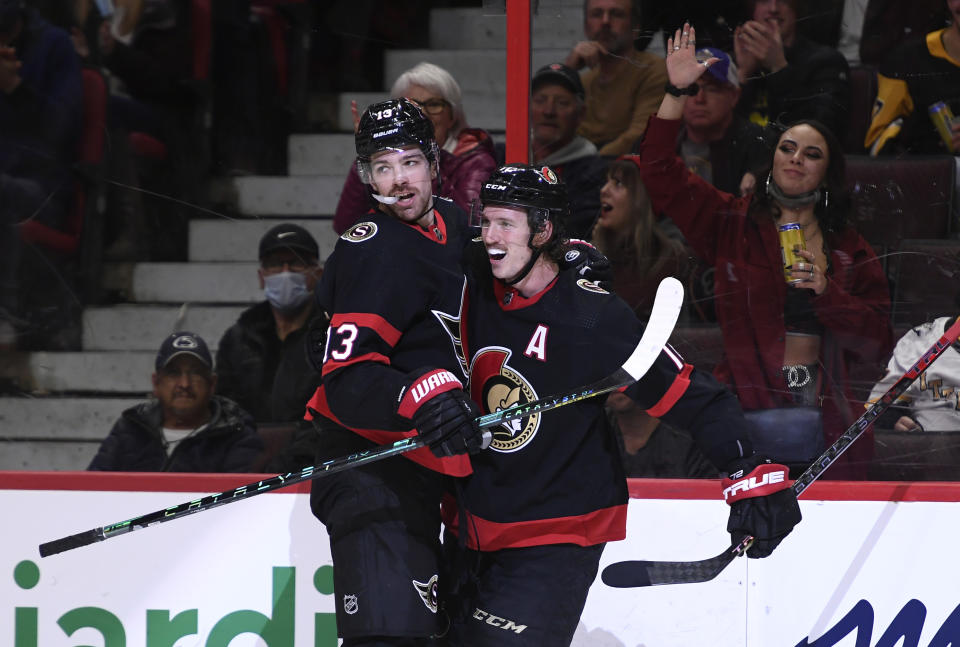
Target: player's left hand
x=762, y=503
x=589, y=262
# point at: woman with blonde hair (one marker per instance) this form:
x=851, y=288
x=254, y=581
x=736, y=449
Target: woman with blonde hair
x=466, y=154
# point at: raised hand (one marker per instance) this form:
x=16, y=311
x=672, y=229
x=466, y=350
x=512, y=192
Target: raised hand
x=355, y=114
x=683, y=68
x=9, y=69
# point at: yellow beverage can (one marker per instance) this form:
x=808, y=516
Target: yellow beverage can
x=791, y=240
x=942, y=117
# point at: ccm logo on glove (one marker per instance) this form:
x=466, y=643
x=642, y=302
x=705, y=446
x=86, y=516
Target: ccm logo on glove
x=425, y=387
x=763, y=480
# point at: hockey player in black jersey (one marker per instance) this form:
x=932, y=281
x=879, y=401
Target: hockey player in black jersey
x=549, y=492
x=391, y=368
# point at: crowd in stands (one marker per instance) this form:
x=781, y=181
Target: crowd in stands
x=683, y=161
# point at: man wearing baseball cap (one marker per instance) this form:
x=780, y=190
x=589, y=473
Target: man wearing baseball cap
x=556, y=111
x=723, y=147
x=184, y=428
x=720, y=146
x=261, y=359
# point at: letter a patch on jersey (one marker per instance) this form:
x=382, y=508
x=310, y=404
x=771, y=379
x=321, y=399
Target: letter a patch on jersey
x=537, y=346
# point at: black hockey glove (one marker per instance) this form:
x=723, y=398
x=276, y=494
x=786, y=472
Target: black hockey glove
x=762, y=503
x=443, y=414
x=587, y=261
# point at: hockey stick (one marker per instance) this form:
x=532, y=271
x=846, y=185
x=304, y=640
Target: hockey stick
x=663, y=318
x=646, y=573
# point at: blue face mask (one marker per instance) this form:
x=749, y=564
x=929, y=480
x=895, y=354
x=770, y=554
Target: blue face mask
x=286, y=291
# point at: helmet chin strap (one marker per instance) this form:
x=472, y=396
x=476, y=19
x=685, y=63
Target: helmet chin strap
x=526, y=268
x=535, y=254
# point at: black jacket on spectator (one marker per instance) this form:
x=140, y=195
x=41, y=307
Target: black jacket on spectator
x=155, y=66
x=744, y=147
x=815, y=84
x=271, y=379
x=40, y=123
x=229, y=442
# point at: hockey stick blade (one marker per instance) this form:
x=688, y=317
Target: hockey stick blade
x=629, y=574
x=663, y=318
x=624, y=575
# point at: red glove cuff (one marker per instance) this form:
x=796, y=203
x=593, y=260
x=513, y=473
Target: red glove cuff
x=425, y=387
x=763, y=480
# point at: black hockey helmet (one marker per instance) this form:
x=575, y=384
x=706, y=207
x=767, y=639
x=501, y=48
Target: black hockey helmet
x=538, y=190
x=535, y=188
x=394, y=124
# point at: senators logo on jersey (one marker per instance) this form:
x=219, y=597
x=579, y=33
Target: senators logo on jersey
x=497, y=386
x=360, y=232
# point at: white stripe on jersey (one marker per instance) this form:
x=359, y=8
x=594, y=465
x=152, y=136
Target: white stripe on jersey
x=674, y=355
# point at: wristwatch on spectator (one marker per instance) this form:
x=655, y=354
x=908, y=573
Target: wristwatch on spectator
x=689, y=91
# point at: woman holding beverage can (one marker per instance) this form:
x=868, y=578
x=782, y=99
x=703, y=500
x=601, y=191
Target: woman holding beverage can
x=799, y=293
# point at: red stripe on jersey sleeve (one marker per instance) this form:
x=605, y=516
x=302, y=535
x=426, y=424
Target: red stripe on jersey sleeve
x=332, y=365
x=597, y=527
x=458, y=465
x=374, y=322
x=674, y=393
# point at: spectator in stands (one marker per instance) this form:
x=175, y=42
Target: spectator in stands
x=40, y=118
x=922, y=71
x=652, y=448
x=851, y=30
x=556, y=110
x=623, y=85
x=466, y=154
x=147, y=48
x=785, y=345
x=785, y=76
x=932, y=402
x=641, y=251
x=185, y=428
x=724, y=148
x=261, y=359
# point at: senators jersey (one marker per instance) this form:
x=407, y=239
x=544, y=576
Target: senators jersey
x=393, y=292
x=556, y=476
